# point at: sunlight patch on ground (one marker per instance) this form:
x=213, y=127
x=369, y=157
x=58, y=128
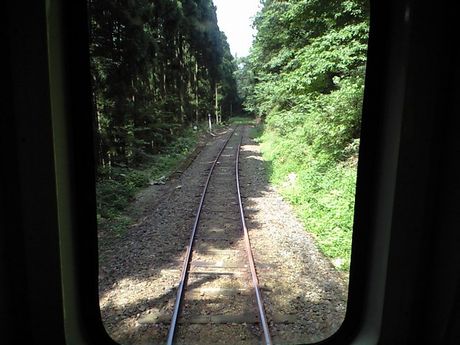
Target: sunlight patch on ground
x=132, y=289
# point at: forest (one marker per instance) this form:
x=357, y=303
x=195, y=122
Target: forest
x=160, y=67
x=305, y=77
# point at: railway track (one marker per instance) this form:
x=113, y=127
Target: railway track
x=218, y=283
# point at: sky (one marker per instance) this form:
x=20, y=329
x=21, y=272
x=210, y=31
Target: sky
x=234, y=18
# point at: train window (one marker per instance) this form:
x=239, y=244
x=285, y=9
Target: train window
x=403, y=276
x=226, y=175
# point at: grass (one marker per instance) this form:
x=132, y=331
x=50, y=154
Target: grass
x=256, y=132
x=242, y=120
x=322, y=194
x=117, y=188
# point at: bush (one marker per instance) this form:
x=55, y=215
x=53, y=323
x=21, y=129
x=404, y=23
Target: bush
x=306, y=74
x=312, y=158
x=113, y=194
x=117, y=186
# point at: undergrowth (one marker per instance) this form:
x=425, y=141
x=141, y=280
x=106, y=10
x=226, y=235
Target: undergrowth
x=241, y=120
x=322, y=192
x=116, y=187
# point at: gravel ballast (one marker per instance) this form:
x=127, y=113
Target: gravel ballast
x=305, y=296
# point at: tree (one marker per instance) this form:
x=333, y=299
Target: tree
x=306, y=70
x=156, y=66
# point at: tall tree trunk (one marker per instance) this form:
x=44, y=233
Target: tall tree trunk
x=99, y=148
x=196, y=92
x=181, y=77
x=216, y=106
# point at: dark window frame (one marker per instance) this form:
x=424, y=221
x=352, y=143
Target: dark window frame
x=404, y=278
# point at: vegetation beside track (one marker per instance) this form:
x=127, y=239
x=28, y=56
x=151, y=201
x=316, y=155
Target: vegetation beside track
x=242, y=120
x=117, y=186
x=157, y=70
x=304, y=77
x=322, y=194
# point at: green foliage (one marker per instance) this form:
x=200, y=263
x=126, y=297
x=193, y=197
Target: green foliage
x=241, y=120
x=117, y=186
x=117, y=189
x=155, y=67
x=321, y=190
x=305, y=77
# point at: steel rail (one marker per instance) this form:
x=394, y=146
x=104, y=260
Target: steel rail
x=185, y=267
x=255, y=280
